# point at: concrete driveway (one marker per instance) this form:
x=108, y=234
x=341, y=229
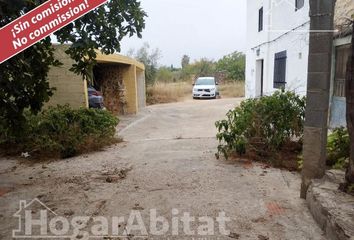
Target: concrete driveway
x=166, y=167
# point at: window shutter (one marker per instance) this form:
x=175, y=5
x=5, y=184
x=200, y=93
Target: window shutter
x=260, y=20
x=299, y=4
x=280, y=69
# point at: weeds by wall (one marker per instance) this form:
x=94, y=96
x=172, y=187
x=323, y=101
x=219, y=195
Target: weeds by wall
x=338, y=149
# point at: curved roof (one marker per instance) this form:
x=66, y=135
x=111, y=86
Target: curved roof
x=117, y=58
x=111, y=58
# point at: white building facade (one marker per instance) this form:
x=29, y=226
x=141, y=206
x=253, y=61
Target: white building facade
x=278, y=46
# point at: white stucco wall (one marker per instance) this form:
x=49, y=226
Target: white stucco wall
x=280, y=18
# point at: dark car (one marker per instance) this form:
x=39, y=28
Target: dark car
x=95, y=98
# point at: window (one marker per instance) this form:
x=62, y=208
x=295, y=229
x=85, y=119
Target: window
x=299, y=4
x=280, y=69
x=260, y=20
x=342, y=56
x=205, y=81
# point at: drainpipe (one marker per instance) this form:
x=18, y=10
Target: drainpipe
x=267, y=69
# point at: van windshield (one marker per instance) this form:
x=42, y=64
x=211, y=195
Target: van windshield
x=205, y=81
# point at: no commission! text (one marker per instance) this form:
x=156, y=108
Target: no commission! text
x=44, y=14
x=38, y=33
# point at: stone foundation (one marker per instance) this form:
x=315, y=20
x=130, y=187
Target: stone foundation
x=332, y=209
x=110, y=79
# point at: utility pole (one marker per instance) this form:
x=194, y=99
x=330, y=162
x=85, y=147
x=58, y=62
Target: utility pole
x=318, y=85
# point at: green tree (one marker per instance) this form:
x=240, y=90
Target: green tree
x=103, y=29
x=200, y=68
x=150, y=59
x=23, y=79
x=185, y=61
x=234, y=65
x=186, y=73
x=23, y=84
x=203, y=68
x=164, y=74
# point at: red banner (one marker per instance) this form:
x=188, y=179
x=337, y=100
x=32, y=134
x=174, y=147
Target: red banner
x=40, y=23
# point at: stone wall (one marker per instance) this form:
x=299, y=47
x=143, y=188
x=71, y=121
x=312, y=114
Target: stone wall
x=332, y=209
x=109, y=78
x=70, y=88
x=130, y=83
x=141, y=88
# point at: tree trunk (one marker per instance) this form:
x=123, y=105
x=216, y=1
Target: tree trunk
x=350, y=112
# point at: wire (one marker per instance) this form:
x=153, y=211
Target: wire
x=290, y=31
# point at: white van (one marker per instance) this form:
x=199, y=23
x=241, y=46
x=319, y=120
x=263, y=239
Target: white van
x=205, y=87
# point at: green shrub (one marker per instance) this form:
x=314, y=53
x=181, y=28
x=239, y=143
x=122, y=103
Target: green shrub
x=338, y=148
x=62, y=131
x=262, y=125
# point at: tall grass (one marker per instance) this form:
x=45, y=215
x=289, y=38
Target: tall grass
x=230, y=89
x=162, y=92
x=168, y=92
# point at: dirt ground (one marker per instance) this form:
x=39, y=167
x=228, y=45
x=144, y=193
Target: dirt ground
x=167, y=161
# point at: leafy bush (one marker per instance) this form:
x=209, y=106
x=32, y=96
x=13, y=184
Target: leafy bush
x=263, y=125
x=338, y=148
x=234, y=65
x=62, y=131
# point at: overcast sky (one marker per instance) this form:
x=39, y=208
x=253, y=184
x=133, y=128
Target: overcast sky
x=198, y=28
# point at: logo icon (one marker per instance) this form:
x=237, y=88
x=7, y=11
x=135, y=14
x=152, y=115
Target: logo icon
x=32, y=217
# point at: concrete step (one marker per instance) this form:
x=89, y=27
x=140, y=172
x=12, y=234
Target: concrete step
x=332, y=209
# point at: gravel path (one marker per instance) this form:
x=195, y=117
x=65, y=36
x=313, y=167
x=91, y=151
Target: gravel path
x=165, y=164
